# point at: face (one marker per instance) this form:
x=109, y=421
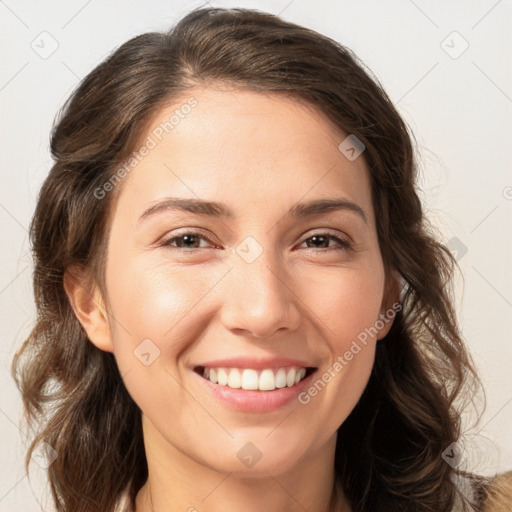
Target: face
x=262, y=289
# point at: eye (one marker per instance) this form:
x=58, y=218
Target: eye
x=190, y=239
x=186, y=240
x=322, y=238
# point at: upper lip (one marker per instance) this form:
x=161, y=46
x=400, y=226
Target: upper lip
x=257, y=364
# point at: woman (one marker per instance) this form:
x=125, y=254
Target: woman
x=255, y=370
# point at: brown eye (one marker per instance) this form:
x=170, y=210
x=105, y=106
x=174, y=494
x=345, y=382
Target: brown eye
x=187, y=240
x=190, y=239
x=319, y=239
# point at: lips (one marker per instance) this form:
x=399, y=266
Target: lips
x=264, y=374
x=256, y=400
x=255, y=384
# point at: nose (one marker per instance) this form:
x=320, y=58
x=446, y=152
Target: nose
x=259, y=298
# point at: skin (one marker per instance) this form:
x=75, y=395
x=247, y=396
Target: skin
x=259, y=154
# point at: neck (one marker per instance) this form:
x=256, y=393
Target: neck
x=178, y=482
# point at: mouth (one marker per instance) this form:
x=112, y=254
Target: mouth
x=251, y=379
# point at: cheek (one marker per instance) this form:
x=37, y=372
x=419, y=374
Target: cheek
x=348, y=303
x=161, y=301
x=153, y=311
x=157, y=310
x=349, y=308
x=150, y=301
x=346, y=300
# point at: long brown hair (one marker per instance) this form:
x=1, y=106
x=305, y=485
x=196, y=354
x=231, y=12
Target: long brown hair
x=389, y=449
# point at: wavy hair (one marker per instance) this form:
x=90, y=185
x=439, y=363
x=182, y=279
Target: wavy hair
x=388, y=452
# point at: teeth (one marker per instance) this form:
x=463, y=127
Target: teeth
x=222, y=377
x=267, y=380
x=290, y=378
x=281, y=378
x=249, y=379
x=235, y=379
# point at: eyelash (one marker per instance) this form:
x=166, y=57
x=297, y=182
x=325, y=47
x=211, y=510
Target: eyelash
x=343, y=244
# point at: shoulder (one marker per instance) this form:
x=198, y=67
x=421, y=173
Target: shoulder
x=497, y=493
x=486, y=494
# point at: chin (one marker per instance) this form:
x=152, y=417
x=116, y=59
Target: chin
x=253, y=460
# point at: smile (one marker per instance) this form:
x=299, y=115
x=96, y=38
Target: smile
x=267, y=379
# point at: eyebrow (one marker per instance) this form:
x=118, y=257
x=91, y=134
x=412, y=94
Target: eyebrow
x=215, y=209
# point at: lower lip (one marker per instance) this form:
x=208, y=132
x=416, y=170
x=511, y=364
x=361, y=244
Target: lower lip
x=255, y=401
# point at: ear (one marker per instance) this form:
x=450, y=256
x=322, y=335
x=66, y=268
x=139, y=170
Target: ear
x=88, y=306
x=390, y=303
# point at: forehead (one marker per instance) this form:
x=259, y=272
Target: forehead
x=246, y=147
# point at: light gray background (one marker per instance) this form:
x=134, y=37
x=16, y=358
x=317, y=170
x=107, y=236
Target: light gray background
x=457, y=102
